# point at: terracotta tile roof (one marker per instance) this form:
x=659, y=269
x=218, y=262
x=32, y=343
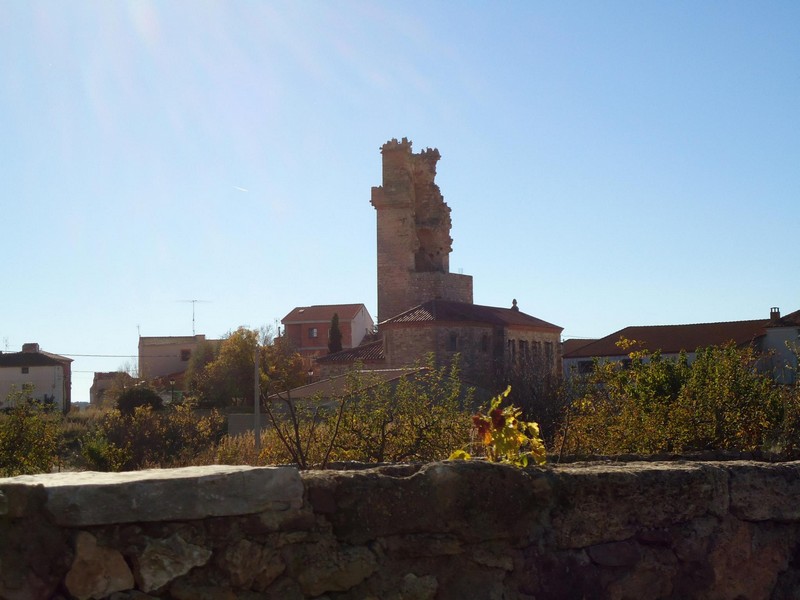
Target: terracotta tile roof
x=366, y=353
x=338, y=385
x=322, y=312
x=450, y=311
x=671, y=339
x=792, y=319
x=32, y=359
x=572, y=345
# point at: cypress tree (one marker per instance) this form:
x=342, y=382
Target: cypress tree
x=334, y=335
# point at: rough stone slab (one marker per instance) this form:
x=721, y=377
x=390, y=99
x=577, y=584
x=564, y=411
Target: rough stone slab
x=598, y=503
x=89, y=498
x=762, y=492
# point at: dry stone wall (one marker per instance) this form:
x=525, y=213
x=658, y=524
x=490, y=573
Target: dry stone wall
x=406, y=532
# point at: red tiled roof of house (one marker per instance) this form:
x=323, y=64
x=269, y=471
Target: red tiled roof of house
x=366, y=353
x=451, y=311
x=575, y=343
x=322, y=312
x=671, y=339
x=339, y=385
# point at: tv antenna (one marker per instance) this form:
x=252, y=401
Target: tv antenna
x=193, y=303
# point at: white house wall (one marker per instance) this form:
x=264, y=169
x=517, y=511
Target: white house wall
x=47, y=380
x=362, y=324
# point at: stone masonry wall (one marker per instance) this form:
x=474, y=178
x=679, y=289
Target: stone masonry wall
x=447, y=530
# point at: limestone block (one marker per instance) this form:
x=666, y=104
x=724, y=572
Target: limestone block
x=250, y=565
x=473, y=500
x=418, y=588
x=88, y=498
x=761, y=492
x=612, y=502
x=162, y=561
x=96, y=571
x=321, y=569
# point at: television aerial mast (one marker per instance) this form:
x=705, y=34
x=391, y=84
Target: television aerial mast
x=193, y=304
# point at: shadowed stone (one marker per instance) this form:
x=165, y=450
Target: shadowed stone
x=88, y=498
x=165, y=560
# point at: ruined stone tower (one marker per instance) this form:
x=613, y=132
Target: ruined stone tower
x=414, y=241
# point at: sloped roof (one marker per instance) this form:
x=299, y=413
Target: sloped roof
x=573, y=344
x=338, y=385
x=671, y=339
x=322, y=312
x=366, y=353
x=32, y=359
x=463, y=312
x=792, y=319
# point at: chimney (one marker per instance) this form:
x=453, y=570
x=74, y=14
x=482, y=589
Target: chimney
x=774, y=315
x=514, y=305
x=31, y=348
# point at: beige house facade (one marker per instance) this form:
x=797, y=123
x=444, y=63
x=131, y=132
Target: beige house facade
x=49, y=375
x=167, y=355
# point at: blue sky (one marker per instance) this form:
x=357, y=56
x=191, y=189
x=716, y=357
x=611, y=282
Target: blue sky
x=607, y=163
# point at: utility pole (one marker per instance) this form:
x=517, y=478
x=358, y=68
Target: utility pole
x=257, y=402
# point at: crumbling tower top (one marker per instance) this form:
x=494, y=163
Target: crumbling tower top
x=414, y=242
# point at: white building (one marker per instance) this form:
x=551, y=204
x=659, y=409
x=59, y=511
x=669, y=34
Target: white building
x=49, y=375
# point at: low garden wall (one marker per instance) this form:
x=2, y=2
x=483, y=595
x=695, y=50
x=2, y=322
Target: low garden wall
x=457, y=530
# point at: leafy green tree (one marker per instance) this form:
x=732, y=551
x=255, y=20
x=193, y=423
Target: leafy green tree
x=228, y=379
x=334, y=335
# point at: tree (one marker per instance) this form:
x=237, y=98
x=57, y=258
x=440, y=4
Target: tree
x=721, y=401
x=133, y=397
x=421, y=416
x=228, y=379
x=334, y=335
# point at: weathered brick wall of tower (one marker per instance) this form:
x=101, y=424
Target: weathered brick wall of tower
x=414, y=241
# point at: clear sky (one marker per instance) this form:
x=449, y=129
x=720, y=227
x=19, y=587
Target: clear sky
x=607, y=163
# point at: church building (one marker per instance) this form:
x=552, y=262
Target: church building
x=423, y=308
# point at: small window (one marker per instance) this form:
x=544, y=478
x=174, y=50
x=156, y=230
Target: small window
x=185, y=355
x=452, y=342
x=313, y=332
x=485, y=343
x=24, y=370
x=585, y=367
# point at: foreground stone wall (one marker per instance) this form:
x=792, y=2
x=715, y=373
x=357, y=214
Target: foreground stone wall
x=435, y=531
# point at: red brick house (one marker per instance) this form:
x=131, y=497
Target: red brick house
x=307, y=327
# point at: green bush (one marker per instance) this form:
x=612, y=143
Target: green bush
x=29, y=437
x=719, y=402
x=134, y=397
x=146, y=438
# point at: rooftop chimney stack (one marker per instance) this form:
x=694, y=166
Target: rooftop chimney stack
x=30, y=348
x=774, y=314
